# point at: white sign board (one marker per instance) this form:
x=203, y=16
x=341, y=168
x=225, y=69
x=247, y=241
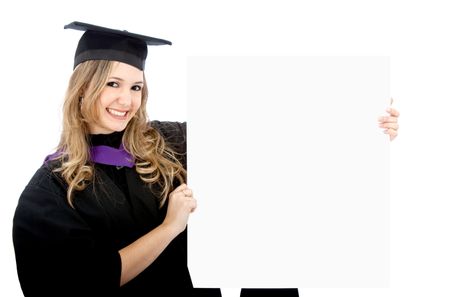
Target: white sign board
x=290, y=170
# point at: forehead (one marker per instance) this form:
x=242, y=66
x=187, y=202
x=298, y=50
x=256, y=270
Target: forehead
x=127, y=72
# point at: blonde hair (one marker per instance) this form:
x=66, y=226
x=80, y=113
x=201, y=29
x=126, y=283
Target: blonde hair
x=155, y=163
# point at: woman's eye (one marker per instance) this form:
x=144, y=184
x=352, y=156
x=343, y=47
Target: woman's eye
x=112, y=84
x=136, y=88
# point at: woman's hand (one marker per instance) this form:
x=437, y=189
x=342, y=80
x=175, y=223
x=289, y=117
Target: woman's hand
x=390, y=122
x=181, y=204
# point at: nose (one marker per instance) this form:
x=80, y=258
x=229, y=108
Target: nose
x=124, y=98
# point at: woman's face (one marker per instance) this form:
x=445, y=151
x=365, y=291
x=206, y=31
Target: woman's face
x=120, y=99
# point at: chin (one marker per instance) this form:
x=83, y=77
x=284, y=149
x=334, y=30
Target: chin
x=119, y=129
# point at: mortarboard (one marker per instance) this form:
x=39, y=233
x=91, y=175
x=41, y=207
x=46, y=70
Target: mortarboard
x=100, y=43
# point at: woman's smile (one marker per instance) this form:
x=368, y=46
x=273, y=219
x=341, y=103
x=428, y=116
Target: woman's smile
x=117, y=114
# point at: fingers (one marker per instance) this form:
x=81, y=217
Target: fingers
x=392, y=133
x=193, y=205
x=393, y=115
x=389, y=125
x=189, y=195
x=393, y=112
x=387, y=119
x=185, y=194
x=188, y=192
x=180, y=188
x=183, y=188
x=390, y=122
x=183, y=191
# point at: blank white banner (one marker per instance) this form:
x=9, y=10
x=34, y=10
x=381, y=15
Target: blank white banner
x=290, y=170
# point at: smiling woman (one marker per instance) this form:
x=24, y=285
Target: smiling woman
x=106, y=214
x=119, y=101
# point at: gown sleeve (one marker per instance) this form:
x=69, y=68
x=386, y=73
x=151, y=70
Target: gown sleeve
x=57, y=254
x=174, y=134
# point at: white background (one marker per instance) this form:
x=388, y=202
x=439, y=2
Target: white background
x=36, y=60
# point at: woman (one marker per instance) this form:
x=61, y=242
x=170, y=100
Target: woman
x=106, y=215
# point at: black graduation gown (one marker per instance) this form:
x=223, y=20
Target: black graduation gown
x=64, y=251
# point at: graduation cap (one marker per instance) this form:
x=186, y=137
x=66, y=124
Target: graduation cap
x=100, y=43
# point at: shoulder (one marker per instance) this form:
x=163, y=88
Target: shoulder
x=46, y=180
x=43, y=210
x=170, y=130
x=174, y=134
x=44, y=192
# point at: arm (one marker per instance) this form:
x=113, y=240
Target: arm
x=57, y=253
x=137, y=256
x=140, y=254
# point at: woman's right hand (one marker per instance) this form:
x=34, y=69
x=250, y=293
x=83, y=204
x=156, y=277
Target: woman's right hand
x=181, y=204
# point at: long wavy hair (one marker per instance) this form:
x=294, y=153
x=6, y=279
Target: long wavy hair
x=156, y=163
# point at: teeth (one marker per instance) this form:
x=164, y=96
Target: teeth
x=117, y=113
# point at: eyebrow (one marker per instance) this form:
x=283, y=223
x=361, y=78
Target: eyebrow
x=121, y=79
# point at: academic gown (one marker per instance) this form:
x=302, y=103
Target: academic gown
x=65, y=251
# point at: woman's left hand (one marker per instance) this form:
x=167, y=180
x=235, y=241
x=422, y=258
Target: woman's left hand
x=390, y=122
